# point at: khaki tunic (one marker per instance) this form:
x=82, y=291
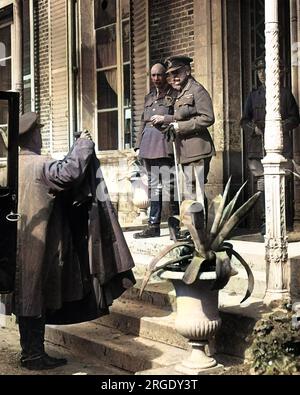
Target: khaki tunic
x=193, y=111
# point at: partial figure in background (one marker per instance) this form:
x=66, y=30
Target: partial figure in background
x=73, y=260
x=156, y=151
x=253, y=124
x=193, y=114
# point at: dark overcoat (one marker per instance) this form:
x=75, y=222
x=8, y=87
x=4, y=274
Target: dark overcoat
x=193, y=111
x=73, y=260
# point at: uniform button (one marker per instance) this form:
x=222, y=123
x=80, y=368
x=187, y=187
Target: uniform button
x=153, y=109
x=175, y=110
x=176, y=99
x=155, y=101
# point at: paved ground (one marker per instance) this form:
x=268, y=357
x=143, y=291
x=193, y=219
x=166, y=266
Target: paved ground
x=9, y=359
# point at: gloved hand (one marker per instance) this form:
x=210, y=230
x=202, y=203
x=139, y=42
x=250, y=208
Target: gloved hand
x=169, y=132
x=86, y=135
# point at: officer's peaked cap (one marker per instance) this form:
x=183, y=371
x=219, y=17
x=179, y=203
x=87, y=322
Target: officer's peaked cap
x=176, y=62
x=260, y=63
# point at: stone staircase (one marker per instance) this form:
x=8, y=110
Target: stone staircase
x=138, y=335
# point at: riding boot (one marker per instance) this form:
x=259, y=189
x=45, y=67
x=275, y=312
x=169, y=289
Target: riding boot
x=153, y=228
x=32, y=337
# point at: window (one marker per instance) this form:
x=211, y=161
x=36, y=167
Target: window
x=5, y=49
x=112, y=30
x=28, y=79
x=6, y=63
x=5, y=82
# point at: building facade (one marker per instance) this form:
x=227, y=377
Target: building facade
x=85, y=64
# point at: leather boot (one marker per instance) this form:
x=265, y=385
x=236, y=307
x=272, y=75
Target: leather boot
x=150, y=231
x=32, y=337
x=153, y=228
x=43, y=362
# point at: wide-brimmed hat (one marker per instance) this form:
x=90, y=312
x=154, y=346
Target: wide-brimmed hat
x=28, y=121
x=176, y=62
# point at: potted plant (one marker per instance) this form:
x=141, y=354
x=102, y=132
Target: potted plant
x=202, y=267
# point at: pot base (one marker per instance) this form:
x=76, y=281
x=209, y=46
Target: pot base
x=198, y=361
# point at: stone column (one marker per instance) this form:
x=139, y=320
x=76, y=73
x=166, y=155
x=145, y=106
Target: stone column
x=275, y=239
x=18, y=51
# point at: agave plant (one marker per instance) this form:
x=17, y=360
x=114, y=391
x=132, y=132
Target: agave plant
x=205, y=248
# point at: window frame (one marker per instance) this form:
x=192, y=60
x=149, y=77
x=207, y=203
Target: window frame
x=120, y=83
x=31, y=75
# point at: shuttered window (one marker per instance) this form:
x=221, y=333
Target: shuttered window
x=59, y=90
x=140, y=59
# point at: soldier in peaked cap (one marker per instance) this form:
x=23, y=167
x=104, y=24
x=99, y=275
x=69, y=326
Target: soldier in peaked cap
x=70, y=243
x=155, y=151
x=253, y=124
x=193, y=114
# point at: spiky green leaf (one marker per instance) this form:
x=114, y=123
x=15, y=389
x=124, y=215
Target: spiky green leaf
x=234, y=220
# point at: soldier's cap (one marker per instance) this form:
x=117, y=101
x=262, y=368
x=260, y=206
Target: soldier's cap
x=260, y=63
x=176, y=62
x=28, y=122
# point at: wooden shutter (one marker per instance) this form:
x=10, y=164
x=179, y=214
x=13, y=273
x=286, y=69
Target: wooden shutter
x=139, y=59
x=59, y=90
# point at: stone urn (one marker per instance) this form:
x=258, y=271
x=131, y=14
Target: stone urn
x=197, y=318
x=140, y=197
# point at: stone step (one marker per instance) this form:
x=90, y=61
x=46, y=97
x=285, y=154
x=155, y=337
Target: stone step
x=153, y=317
x=145, y=320
x=127, y=352
x=238, y=284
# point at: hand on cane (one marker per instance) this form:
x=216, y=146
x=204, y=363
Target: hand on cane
x=170, y=131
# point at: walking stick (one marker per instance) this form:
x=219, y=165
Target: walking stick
x=176, y=171
x=170, y=134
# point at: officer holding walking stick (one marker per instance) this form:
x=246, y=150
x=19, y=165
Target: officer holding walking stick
x=193, y=114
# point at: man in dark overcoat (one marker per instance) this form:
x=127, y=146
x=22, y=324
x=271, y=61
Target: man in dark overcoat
x=155, y=151
x=253, y=124
x=193, y=114
x=72, y=260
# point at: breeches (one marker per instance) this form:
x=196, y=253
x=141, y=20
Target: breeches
x=161, y=187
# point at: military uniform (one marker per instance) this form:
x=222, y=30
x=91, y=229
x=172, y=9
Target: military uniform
x=254, y=117
x=193, y=114
x=255, y=113
x=157, y=155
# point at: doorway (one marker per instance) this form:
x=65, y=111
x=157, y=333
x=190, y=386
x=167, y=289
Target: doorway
x=253, y=46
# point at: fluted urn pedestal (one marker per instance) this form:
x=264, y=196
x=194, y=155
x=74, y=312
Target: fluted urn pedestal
x=140, y=198
x=197, y=318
